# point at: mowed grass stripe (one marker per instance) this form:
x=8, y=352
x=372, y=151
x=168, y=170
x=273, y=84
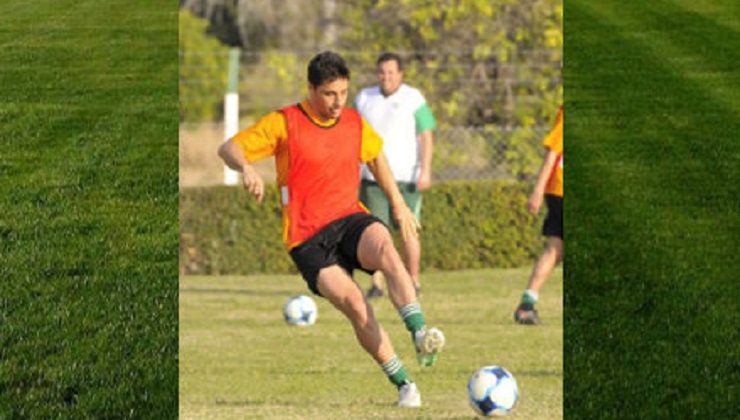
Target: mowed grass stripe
x=723, y=12
x=678, y=130
x=650, y=269
x=688, y=41
x=88, y=227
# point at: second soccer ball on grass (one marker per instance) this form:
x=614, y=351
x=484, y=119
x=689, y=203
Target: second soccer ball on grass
x=300, y=310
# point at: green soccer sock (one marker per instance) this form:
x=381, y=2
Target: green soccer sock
x=412, y=317
x=397, y=374
x=530, y=297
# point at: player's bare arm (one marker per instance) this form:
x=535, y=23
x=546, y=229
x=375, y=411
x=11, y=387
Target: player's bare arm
x=406, y=220
x=538, y=194
x=427, y=146
x=233, y=157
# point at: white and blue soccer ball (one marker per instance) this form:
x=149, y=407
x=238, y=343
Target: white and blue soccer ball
x=300, y=310
x=492, y=391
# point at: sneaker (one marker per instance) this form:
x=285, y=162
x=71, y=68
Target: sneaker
x=409, y=396
x=374, y=292
x=526, y=314
x=429, y=343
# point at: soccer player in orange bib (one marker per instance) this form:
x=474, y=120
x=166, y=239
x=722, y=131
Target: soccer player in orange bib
x=318, y=147
x=549, y=186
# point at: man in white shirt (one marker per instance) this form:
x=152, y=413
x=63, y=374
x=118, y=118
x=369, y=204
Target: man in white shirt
x=400, y=114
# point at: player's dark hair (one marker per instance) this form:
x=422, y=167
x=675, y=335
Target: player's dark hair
x=389, y=56
x=327, y=67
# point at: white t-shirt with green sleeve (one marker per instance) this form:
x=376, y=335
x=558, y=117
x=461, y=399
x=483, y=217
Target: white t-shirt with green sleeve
x=399, y=119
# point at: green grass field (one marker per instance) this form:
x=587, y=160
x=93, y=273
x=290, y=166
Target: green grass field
x=88, y=209
x=651, y=320
x=239, y=359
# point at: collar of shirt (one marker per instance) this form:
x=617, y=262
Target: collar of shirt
x=314, y=117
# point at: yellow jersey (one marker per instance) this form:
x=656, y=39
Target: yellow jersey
x=554, y=142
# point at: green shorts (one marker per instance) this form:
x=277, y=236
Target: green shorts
x=375, y=200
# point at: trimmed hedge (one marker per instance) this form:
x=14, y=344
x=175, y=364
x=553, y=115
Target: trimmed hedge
x=465, y=225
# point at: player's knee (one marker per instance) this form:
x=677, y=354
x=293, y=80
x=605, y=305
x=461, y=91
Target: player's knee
x=380, y=243
x=385, y=247
x=387, y=251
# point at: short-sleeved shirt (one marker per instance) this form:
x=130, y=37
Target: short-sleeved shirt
x=399, y=118
x=271, y=136
x=554, y=142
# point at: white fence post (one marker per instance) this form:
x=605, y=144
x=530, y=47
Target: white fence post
x=231, y=110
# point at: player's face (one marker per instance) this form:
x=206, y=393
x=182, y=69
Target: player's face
x=329, y=98
x=389, y=76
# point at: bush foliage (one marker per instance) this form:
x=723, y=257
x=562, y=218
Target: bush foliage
x=465, y=225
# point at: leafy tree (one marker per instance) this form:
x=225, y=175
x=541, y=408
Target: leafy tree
x=203, y=70
x=492, y=65
x=480, y=62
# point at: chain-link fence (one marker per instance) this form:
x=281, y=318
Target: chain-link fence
x=459, y=153
x=486, y=153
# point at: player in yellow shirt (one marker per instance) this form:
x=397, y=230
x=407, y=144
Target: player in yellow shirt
x=318, y=146
x=549, y=186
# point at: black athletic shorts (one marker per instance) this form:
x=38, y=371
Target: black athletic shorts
x=336, y=243
x=553, y=225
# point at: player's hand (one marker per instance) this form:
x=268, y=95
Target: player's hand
x=408, y=225
x=535, y=202
x=425, y=181
x=253, y=183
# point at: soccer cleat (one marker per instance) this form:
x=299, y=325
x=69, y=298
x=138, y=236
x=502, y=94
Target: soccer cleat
x=409, y=395
x=526, y=314
x=374, y=292
x=429, y=342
